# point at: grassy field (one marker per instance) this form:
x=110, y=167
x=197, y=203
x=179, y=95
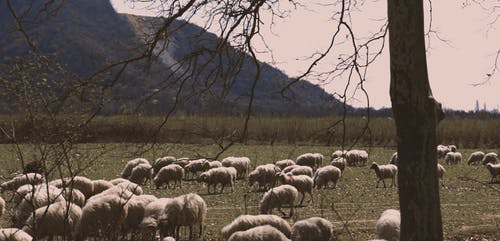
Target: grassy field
x=469, y=204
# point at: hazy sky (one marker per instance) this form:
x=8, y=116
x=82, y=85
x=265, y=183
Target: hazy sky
x=454, y=66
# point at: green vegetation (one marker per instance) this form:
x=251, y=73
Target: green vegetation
x=469, y=204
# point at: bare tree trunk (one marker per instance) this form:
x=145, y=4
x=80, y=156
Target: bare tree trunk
x=416, y=114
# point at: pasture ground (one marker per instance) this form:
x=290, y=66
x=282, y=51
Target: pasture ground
x=470, y=205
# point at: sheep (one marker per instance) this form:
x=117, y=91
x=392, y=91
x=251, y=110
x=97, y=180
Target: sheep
x=16, y=182
x=475, y=158
x=182, y=161
x=14, y=234
x=260, y=233
x=356, y=157
x=84, y=184
x=385, y=171
x=284, y=163
x=37, y=198
x=101, y=185
x=215, y=164
x=74, y=195
x=340, y=163
x=168, y=239
x=312, y=229
x=34, y=167
x=313, y=160
x=338, y=153
x=494, y=171
x=161, y=162
x=245, y=222
x=223, y=175
x=442, y=150
x=453, y=158
x=241, y=164
x=117, y=181
x=2, y=206
x=325, y=175
x=440, y=173
x=264, y=175
x=299, y=170
x=186, y=210
x=119, y=191
x=452, y=148
x=195, y=166
x=132, y=187
x=172, y=172
x=490, y=157
x=152, y=211
x=127, y=170
x=388, y=225
x=57, y=219
x=394, y=159
x=141, y=174
x=303, y=183
x=276, y=197
x=21, y=192
x=136, y=208
x=102, y=216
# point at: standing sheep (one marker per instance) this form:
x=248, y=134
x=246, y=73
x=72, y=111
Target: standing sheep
x=196, y=166
x=339, y=162
x=325, y=175
x=241, y=164
x=452, y=148
x=284, y=163
x=141, y=174
x=313, y=160
x=152, y=211
x=85, y=185
x=490, y=157
x=453, y=158
x=475, y=158
x=162, y=162
x=299, y=170
x=186, y=210
x=356, y=157
x=127, y=170
x=312, y=229
x=440, y=173
x=494, y=171
x=384, y=172
x=14, y=234
x=172, y=172
x=264, y=175
x=260, y=233
x=136, y=209
x=388, y=225
x=338, y=153
x=215, y=164
x=221, y=175
x=245, y=222
x=101, y=185
x=33, y=200
x=303, y=183
x=442, y=150
x=16, y=182
x=278, y=196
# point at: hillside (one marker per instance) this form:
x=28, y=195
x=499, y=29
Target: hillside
x=88, y=35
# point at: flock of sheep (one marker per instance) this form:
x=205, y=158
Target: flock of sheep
x=79, y=208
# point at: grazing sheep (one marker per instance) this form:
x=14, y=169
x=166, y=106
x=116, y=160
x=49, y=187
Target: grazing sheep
x=101, y=185
x=161, y=162
x=299, y=170
x=338, y=153
x=453, y=158
x=245, y=222
x=149, y=222
x=221, y=175
x=141, y=174
x=172, y=172
x=313, y=160
x=278, y=196
x=241, y=164
x=136, y=209
x=494, y=171
x=442, y=150
x=195, y=166
x=34, y=167
x=440, y=173
x=475, y=158
x=53, y=220
x=325, y=175
x=260, y=233
x=16, y=182
x=127, y=170
x=186, y=210
x=356, y=157
x=85, y=185
x=490, y=157
x=394, y=159
x=215, y=164
x=312, y=229
x=452, y=148
x=340, y=163
x=284, y=163
x=264, y=175
x=385, y=171
x=117, y=181
x=39, y=197
x=132, y=187
x=102, y=216
x=388, y=225
x=14, y=234
x=2, y=206
x=303, y=183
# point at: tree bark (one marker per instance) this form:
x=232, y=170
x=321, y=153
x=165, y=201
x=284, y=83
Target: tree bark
x=416, y=115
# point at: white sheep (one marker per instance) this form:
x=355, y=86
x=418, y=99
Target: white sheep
x=186, y=210
x=141, y=174
x=494, y=171
x=313, y=160
x=166, y=174
x=259, y=233
x=84, y=184
x=132, y=187
x=168, y=239
x=33, y=200
x=215, y=164
x=183, y=161
x=452, y=148
x=442, y=150
x=149, y=222
x=21, y=192
x=475, y=158
x=161, y=162
x=14, y=234
x=277, y=197
x=338, y=153
x=245, y=222
x=16, y=182
x=2, y=206
x=339, y=162
x=325, y=175
x=136, y=209
x=356, y=157
x=312, y=229
x=117, y=181
x=440, y=173
x=100, y=185
x=241, y=164
x=119, y=191
x=299, y=170
x=221, y=175
x=490, y=157
x=74, y=195
x=394, y=159
x=102, y=216
x=57, y=219
x=127, y=170
x=384, y=172
x=453, y=158
x=196, y=166
x=303, y=183
x=264, y=176
x=284, y=163
x=388, y=225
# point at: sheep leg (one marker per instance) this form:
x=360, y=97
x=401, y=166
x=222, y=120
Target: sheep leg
x=200, y=233
x=383, y=181
x=302, y=200
x=191, y=232
x=312, y=198
x=378, y=181
x=222, y=188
